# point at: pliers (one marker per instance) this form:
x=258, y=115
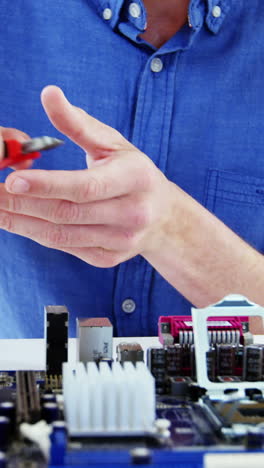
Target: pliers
x=15, y=152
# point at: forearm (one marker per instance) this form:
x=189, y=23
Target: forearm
x=202, y=258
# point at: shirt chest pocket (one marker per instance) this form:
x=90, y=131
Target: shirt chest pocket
x=238, y=200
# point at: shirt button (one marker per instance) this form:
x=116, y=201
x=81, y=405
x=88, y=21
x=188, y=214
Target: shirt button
x=128, y=306
x=107, y=13
x=134, y=10
x=156, y=65
x=216, y=12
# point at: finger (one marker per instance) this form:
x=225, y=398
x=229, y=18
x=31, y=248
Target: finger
x=67, y=236
x=132, y=212
x=14, y=134
x=23, y=165
x=96, y=138
x=114, y=179
x=99, y=257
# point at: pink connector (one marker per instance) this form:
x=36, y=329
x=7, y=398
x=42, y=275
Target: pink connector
x=178, y=329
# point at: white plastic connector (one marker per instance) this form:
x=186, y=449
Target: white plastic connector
x=231, y=305
x=38, y=433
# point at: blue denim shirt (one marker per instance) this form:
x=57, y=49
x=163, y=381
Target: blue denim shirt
x=199, y=117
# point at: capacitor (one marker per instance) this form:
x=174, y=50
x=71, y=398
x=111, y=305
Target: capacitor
x=4, y=431
x=48, y=398
x=255, y=439
x=50, y=412
x=174, y=360
x=156, y=359
x=253, y=363
x=58, y=440
x=211, y=363
x=193, y=362
x=7, y=408
x=225, y=359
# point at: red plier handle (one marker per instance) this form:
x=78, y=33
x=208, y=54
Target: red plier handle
x=13, y=154
x=16, y=152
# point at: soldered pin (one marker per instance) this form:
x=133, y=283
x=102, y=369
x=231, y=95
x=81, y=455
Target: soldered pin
x=16, y=152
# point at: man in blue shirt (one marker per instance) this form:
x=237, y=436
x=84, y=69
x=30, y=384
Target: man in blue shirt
x=183, y=84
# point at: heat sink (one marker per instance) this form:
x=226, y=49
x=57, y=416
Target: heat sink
x=99, y=400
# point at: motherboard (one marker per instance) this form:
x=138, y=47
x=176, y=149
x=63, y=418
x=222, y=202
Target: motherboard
x=195, y=400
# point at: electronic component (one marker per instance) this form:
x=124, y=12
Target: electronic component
x=16, y=152
x=179, y=329
x=131, y=352
x=94, y=339
x=56, y=336
x=27, y=397
x=103, y=401
x=156, y=361
x=226, y=359
x=253, y=363
x=105, y=413
x=201, y=318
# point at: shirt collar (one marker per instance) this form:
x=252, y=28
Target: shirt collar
x=213, y=12
x=213, y=21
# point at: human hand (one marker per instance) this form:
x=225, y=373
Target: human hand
x=13, y=134
x=103, y=215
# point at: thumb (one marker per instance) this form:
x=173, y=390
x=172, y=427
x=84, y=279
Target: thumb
x=97, y=139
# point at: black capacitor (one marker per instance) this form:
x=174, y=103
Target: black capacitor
x=226, y=356
x=253, y=363
x=8, y=409
x=239, y=357
x=4, y=432
x=186, y=359
x=48, y=398
x=255, y=439
x=50, y=412
x=193, y=362
x=174, y=360
x=156, y=359
x=160, y=381
x=211, y=363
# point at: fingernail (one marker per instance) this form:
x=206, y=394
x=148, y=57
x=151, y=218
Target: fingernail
x=18, y=185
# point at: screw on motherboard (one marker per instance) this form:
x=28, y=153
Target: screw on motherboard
x=162, y=427
x=141, y=456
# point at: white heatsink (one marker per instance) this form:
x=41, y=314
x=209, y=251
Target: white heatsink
x=108, y=400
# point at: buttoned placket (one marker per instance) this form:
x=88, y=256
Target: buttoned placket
x=155, y=98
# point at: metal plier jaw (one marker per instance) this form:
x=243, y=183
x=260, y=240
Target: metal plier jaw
x=16, y=152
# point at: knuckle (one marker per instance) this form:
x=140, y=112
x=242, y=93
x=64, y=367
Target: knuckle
x=92, y=189
x=47, y=185
x=6, y=221
x=56, y=237
x=14, y=204
x=141, y=217
x=64, y=212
